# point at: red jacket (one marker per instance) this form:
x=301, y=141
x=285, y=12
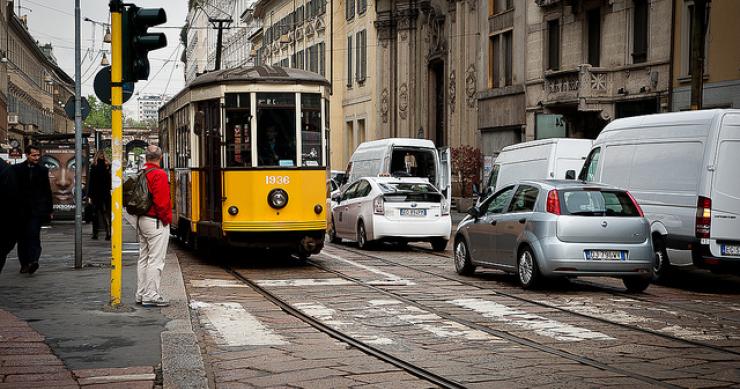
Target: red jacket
x=159, y=188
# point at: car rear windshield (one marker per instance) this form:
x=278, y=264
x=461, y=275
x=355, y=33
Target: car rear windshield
x=403, y=192
x=597, y=203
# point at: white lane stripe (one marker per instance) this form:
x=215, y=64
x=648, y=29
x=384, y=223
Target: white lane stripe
x=129, y=251
x=234, y=326
x=540, y=325
x=305, y=282
x=586, y=306
x=326, y=315
x=217, y=283
x=388, y=276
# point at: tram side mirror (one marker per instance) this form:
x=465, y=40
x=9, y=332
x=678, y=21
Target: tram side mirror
x=200, y=122
x=570, y=175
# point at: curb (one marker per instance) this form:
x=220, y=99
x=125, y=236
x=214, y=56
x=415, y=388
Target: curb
x=182, y=364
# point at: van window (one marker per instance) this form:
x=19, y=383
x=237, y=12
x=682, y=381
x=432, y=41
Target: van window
x=414, y=162
x=670, y=166
x=590, y=166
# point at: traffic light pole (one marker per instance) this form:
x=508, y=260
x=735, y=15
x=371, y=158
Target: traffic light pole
x=116, y=9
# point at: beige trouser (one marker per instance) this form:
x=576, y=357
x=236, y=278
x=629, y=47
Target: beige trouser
x=153, y=239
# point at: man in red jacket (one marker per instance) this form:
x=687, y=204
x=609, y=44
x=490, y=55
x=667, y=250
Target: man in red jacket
x=153, y=230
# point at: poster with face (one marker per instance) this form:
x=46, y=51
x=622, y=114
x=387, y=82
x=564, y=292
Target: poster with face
x=60, y=160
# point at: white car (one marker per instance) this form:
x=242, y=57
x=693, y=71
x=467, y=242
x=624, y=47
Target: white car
x=392, y=209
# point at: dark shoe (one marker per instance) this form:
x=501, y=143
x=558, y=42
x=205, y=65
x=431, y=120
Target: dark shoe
x=94, y=237
x=24, y=268
x=156, y=303
x=33, y=267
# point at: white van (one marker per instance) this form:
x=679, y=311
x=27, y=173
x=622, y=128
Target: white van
x=683, y=169
x=403, y=157
x=556, y=158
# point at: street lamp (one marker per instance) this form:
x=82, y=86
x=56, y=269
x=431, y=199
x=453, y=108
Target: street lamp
x=104, y=61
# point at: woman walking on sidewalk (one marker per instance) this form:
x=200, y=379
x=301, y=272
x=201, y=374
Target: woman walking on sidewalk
x=98, y=191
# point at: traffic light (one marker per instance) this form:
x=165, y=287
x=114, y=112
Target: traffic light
x=137, y=42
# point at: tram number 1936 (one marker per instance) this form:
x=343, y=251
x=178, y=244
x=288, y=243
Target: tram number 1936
x=279, y=180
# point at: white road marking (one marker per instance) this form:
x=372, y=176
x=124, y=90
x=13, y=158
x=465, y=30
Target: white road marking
x=326, y=315
x=129, y=251
x=234, y=326
x=391, y=278
x=217, y=283
x=305, y=282
x=586, y=306
x=540, y=325
x=384, y=302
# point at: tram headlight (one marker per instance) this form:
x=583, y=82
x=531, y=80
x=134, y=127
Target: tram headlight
x=233, y=210
x=317, y=209
x=277, y=198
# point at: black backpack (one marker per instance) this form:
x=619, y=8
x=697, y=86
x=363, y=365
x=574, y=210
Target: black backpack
x=136, y=197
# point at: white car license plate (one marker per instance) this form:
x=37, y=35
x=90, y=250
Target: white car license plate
x=730, y=249
x=413, y=212
x=609, y=255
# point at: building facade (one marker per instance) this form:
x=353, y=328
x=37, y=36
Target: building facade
x=594, y=61
x=37, y=88
x=236, y=46
x=148, y=107
x=722, y=58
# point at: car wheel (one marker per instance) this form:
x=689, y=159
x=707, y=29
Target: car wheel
x=362, y=236
x=661, y=266
x=463, y=265
x=439, y=244
x=527, y=269
x=636, y=284
x=333, y=238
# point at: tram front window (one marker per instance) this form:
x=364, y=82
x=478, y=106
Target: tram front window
x=311, y=129
x=238, y=144
x=276, y=132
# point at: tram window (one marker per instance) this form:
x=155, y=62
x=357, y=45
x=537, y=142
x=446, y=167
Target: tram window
x=311, y=129
x=276, y=137
x=238, y=130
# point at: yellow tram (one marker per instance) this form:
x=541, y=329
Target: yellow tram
x=247, y=150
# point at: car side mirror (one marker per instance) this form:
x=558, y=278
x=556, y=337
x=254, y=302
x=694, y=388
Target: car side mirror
x=570, y=175
x=336, y=197
x=474, y=212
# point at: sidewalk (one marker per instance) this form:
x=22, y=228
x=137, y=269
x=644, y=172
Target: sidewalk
x=57, y=330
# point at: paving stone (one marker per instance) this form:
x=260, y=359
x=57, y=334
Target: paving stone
x=84, y=373
x=58, y=377
x=698, y=383
x=122, y=385
x=294, y=376
x=329, y=382
x=236, y=375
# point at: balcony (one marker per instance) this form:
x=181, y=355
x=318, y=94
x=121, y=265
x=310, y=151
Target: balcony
x=577, y=86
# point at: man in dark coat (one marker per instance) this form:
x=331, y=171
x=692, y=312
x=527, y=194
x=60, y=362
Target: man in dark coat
x=8, y=208
x=98, y=190
x=35, y=207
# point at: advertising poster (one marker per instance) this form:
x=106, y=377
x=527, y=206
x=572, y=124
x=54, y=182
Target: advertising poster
x=58, y=155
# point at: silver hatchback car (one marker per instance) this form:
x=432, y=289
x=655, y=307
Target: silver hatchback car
x=551, y=228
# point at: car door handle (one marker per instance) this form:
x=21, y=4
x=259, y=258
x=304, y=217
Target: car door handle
x=522, y=220
x=493, y=222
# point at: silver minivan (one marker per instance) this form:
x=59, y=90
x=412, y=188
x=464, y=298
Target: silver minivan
x=682, y=168
x=557, y=228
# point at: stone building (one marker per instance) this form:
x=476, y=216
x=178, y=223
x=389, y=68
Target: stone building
x=236, y=46
x=722, y=59
x=37, y=87
x=4, y=75
x=592, y=61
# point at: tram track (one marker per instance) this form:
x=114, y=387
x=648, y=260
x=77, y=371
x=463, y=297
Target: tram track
x=544, y=305
x=420, y=371
x=613, y=290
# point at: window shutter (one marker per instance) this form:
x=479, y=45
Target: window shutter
x=364, y=54
x=358, y=44
x=349, y=61
x=322, y=59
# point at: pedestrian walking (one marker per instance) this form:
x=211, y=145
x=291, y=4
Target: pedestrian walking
x=153, y=231
x=98, y=192
x=35, y=207
x=8, y=208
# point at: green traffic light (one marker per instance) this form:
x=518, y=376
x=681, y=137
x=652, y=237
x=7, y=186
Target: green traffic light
x=137, y=42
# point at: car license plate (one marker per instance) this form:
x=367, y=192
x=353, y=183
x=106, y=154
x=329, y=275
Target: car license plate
x=608, y=255
x=413, y=212
x=730, y=249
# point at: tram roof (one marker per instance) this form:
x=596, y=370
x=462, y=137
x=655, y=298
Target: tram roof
x=260, y=73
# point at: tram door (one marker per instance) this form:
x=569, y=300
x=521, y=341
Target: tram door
x=211, y=156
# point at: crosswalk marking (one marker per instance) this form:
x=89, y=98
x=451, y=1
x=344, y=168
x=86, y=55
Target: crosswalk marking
x=390, y=279
x=615, y=313
x=234, y=326
x=540, y=325
x=304, y=282
x=217, y=283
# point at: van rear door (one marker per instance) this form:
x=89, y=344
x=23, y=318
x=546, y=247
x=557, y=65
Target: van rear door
x=444, y=171
x=725, y=194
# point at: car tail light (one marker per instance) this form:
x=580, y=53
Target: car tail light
x=379, y=205
x=553, y=202
x=445, y=207
x=639, y=210
x=703, y=217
